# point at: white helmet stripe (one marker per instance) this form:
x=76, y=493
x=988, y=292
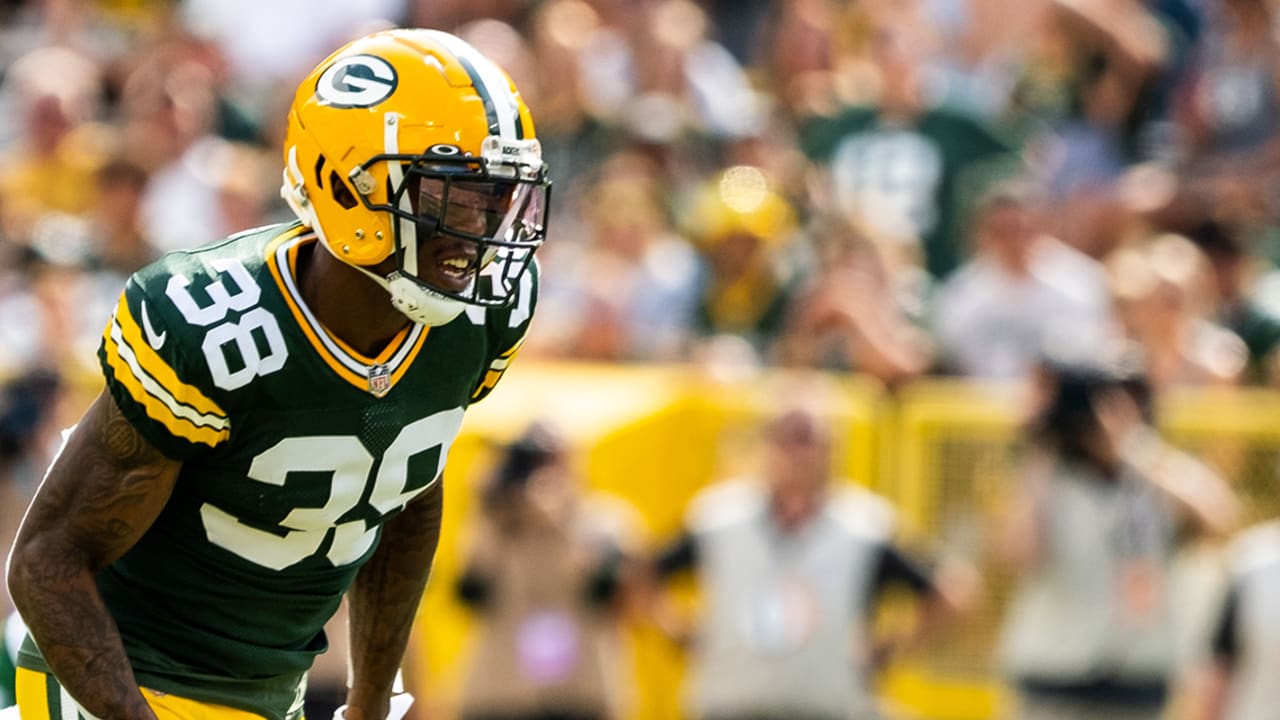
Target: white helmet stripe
x=408, y=230
x=491, y=84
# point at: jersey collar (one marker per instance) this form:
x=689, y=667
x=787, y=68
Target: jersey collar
x=376, y=375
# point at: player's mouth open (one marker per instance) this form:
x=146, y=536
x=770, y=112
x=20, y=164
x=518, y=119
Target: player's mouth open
x=453, y=271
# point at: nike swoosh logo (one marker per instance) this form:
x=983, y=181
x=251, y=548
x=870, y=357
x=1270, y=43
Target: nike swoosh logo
x=154, y=339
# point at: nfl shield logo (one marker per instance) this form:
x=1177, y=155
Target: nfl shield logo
x=379, y=380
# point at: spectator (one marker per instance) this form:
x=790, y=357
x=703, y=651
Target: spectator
x=1232, y=267
x=1091, y=76
x=120, y=245
x=72, y=270
x=1090, y=92
x=545, y=573
x=668, y=79
x=743, y=229
x=1023, y=293
x=979, y=45
x=50, y=165
x=201, y=187
x=789, y=566
x=565, y=36
x=1165, y=301
x=901, y=166
x=447, y=14
x=50, y=316
x=849, y=314
x=1090, y=630
x=798, y=53
x=630, y=293
x=1231, y=102
x=1232, y=109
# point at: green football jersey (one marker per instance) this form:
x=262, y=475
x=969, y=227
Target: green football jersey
x=296, y=450
x=917, y=178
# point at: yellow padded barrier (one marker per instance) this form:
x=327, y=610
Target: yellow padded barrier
x=940, y=449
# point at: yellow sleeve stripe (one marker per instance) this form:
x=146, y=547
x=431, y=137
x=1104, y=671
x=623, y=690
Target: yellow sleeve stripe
x=180, y=407
x=33, y=693
x=491, y=379
x=158, y=404
x=155, y=366
x=496, y=368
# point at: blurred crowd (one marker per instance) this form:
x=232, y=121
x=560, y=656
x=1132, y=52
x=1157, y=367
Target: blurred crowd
x=898, y=188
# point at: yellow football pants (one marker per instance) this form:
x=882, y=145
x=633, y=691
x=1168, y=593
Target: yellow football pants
x=40, y=697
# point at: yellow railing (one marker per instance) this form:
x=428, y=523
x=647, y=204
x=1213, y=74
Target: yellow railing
x=940, y=450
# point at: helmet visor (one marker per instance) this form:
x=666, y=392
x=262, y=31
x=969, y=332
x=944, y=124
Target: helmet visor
x=465, y=228
x=472, y=235
x=503, y=212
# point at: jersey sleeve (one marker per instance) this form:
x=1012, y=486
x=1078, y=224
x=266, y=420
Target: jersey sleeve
x=507, y=331
x=143, y=355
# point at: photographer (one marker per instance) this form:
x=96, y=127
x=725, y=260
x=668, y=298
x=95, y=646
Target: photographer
x=1090, y=538
x=544, y=573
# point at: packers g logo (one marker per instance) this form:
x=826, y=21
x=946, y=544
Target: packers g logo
x=358, y=81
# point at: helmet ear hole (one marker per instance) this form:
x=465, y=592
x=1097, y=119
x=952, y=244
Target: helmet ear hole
x=341, y=193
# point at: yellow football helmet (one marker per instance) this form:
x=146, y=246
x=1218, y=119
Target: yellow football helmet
x=413, y=146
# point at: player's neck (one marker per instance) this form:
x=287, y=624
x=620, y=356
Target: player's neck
x=350, y=305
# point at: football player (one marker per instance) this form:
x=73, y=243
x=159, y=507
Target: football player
x=279, y=406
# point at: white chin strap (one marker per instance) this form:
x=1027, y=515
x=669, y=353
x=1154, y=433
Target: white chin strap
x=418, y=303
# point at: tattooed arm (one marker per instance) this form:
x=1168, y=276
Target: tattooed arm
x=384, y=599
x=102, y=493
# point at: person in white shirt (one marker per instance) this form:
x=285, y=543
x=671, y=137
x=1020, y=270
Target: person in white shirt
x=789, y=566
x=1091, y=534
x=1021, y=294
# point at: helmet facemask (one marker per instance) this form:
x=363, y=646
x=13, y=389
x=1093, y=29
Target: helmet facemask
x=465, y=228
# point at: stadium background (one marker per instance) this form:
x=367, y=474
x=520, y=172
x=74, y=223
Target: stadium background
x=658, y=381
